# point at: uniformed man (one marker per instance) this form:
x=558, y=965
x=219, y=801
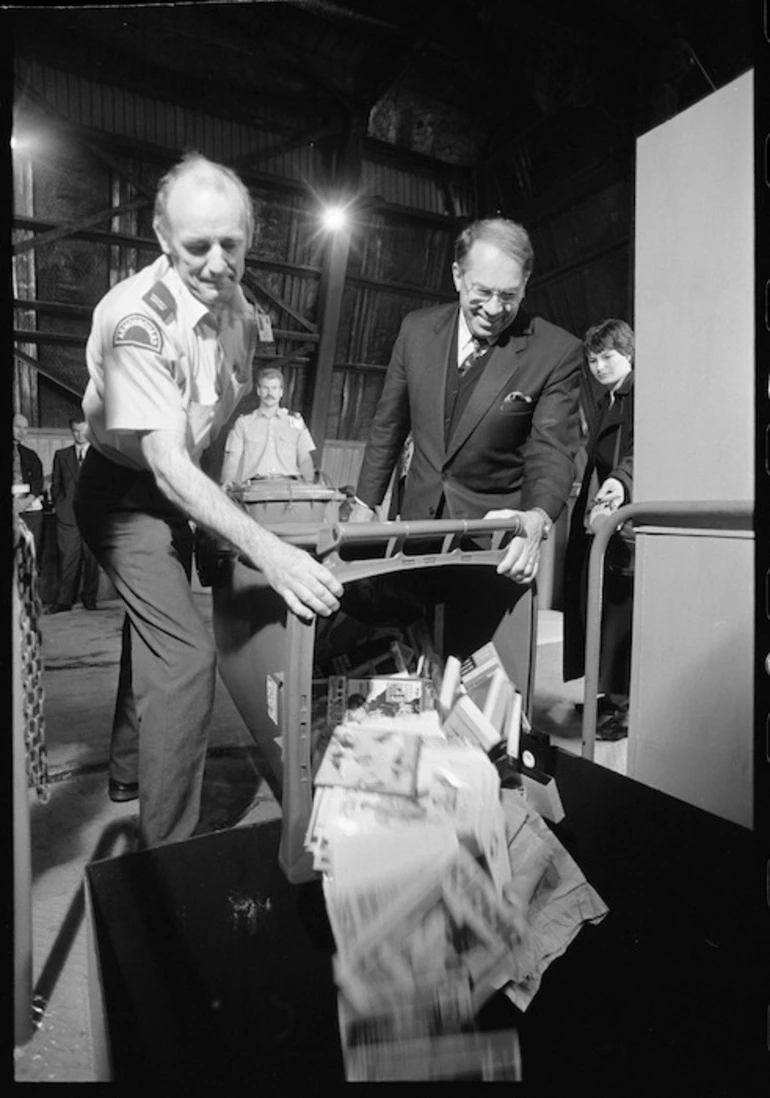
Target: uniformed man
x=169, y=358
x=270, y=441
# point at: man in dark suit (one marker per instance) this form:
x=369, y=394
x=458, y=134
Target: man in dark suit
x=74, y=555
x=28, y=469
x=490, y=394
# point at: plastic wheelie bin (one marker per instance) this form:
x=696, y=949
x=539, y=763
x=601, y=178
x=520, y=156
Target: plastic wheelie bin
x=267, y=656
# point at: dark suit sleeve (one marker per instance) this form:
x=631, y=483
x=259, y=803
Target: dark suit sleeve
x=57, y=482
x=549, y=463
x=389, y=428
x=36, y=473
x=624, y=470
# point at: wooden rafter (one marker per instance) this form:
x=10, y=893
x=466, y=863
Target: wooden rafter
x=27, y=360
x=256, y=286
x=307, y=137
x=25, y=91
x=72, y=227
x=291, y=356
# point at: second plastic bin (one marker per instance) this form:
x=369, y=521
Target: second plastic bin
x=266, y=655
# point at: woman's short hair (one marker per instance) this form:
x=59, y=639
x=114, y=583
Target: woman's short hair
x=610, y=335
x=510, y=237
x=195, y=163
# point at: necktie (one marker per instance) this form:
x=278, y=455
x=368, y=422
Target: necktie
x=480, y=348
x=80, y=456
x=17, y=474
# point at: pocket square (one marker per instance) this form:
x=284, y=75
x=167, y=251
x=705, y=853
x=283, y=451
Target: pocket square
x=516, y=395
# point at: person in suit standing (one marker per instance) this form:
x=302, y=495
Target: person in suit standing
x=76, y=560
x=490, y=395
x=607, y=484
x=28, y=469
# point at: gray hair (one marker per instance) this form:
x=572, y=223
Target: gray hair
x=210, y=174
x=510, y=237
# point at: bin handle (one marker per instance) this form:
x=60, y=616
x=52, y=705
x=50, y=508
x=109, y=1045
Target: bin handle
x=330, y=538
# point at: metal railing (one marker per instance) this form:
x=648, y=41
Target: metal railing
x=710, y=515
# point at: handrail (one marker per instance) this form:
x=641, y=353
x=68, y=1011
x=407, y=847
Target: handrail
x=450, y=531
x=715, y=515
x=323, y=539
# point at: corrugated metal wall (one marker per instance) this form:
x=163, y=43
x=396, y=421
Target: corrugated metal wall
x=397, y=262
x=125, y=114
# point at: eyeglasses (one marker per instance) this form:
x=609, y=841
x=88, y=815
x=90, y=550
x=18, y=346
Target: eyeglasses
x=508, y=299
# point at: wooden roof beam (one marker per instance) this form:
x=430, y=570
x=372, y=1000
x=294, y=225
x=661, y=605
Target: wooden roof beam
x=39, y=241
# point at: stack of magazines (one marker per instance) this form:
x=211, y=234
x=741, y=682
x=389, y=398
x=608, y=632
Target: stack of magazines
x=443, y=888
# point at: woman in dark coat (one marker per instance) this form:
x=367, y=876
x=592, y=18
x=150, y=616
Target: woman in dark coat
x=606, y=485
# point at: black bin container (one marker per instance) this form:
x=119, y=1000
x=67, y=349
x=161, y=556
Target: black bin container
x=209, y=970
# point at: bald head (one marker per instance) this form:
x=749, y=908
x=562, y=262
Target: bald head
x=204, y=221
x=195, y=175
x=20, y=427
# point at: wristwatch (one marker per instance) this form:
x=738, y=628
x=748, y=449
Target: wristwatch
x=547, y=523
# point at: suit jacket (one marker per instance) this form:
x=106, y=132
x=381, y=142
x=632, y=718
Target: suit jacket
x=31, y=469
x=515, y=441
x=609, y=448
x=609, y=453
x=64, y=481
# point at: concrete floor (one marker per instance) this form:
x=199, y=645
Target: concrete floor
x=79, y=824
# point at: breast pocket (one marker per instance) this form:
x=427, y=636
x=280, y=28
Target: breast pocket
x=516, y=404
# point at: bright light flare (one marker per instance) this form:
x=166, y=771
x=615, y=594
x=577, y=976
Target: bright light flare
x=335, y=218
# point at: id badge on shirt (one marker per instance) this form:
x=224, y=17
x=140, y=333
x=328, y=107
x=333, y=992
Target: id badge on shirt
x=264, y=327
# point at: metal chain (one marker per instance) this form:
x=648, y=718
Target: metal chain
x=31, y=642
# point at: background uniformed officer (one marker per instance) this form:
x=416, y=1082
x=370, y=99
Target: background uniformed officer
x=169, y=358
x=270, y=441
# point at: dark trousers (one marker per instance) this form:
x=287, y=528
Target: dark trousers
x=616, y=622
x=168, y=662
x=75, y=561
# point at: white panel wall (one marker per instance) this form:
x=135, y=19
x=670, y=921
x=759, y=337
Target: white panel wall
x=692, y=700
x=694, y=305
x=691, y=719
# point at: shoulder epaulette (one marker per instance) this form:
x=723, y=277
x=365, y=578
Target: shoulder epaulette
x=160, y=298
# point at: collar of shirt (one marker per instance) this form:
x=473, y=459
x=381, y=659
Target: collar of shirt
x=465, y=341
x=622, y=389
x=279, y=413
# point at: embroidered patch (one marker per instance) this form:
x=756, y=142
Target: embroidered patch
x=136, y=330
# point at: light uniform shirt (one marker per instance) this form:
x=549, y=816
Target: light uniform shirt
x=269, y=446
x=158, y=359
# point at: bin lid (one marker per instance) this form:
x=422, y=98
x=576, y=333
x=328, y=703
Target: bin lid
x=283, y=489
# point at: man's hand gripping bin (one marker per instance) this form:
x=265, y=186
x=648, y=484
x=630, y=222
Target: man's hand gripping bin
x=269, y=659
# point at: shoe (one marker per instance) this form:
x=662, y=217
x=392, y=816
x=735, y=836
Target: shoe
x=57, y=608
x=614, y=728
x=123, y=791
x=604, y=707
x=89, y=605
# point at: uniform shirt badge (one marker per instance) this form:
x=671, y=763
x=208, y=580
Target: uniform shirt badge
x=137, y=330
